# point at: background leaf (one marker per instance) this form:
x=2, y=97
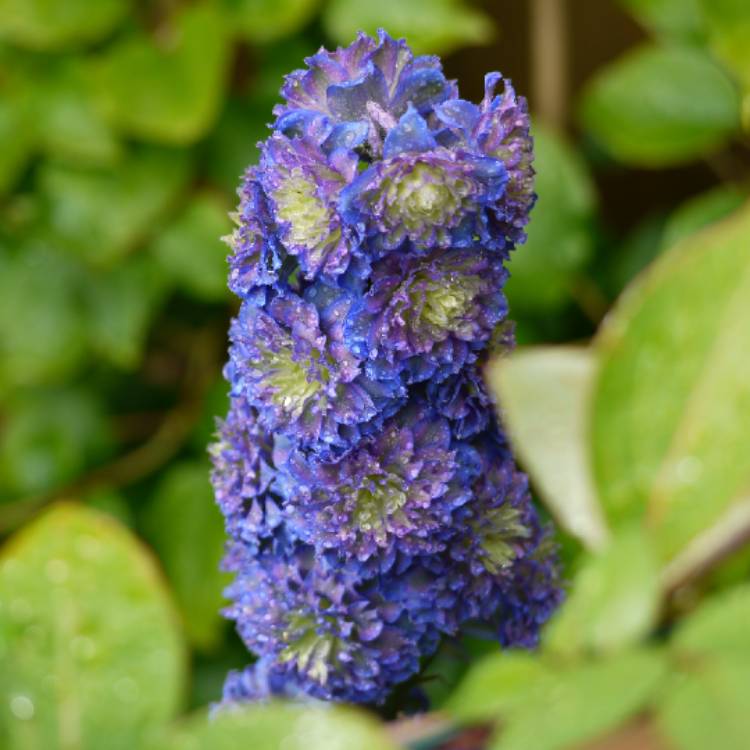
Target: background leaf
x=658, y=106
x=187, y=530
x=544, y=401
x=431, y=25
x=168, y=89
x=672, y=406
x=560, y=237
x=89, y=649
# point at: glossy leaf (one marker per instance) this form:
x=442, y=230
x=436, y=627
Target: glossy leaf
x=702, y=211
x=277, y=725
x=90, y=653
x=671, y=409
x=186, y=529
x=544, y=401
x=583, y=702
x=496, y=684
x=614, y=600
x=560, y=235
x=658, y=106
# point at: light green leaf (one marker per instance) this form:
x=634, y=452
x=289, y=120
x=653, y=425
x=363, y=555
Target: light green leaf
x=560, y=240
x=263, y=21
x=703, y=210
x=90, y=655
x=680, y=19
x=709, y=706
x=495, y=685
x=190, y=249
x=16, y=134
x=729, y=35
x=42, y=332
x=55, y=24
x=434, y=26
x=186, y=529
x=102, y=214
x=583, y=702
x=614, y=601
x=721, y=625
x=168, y=89
x=121, y=302
x=67, y=122
x=48, y=437
x=277, y=725
x=659, y=106
x=671, y=408
x=544, y=399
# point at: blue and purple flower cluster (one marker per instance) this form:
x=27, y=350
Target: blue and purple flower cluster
x=371, y=500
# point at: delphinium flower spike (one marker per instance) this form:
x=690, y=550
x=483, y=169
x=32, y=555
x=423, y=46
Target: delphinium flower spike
x=372, y=504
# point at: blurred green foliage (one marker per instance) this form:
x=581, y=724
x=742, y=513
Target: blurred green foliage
x=125, y=126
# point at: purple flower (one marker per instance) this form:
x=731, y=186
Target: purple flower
x=425, y=193
x=426, y=315
x=302, y=184
x=371, y=82
x=497, y=128
x=320, y=628
x=288, y=359
x=396, y=491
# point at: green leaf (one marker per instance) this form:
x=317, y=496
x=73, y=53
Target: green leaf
x=121, y=303
x=53, y=25
x=497, y=684
x=659, y=106
x=90, y=655
x=232, y=146
x=186, y=529
x=560, y=239
x=67, y=122
x=729, y=35
x=168, y=89
x=721, y=625
x=263, y=21
x=16, y=134
x=671, y=408
x=277, y=725
x=703, y=210
x=48, y=437
x=543, y=394
x=190, y=249
x=583, y=702
x=709, y=707
x=435, y=26
x=680, y=19
x=42, y=331
x=614, y=601
x=102, y=214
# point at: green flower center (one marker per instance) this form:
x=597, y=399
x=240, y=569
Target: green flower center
x=422, y=197
x=290, y=378
x=312, y=652
x=499, y=530
x=377, y=501
x=298, y=203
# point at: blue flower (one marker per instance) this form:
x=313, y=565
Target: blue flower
x=370, y=498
